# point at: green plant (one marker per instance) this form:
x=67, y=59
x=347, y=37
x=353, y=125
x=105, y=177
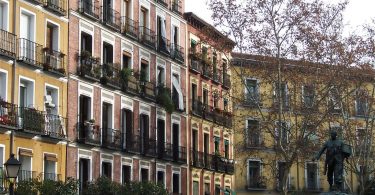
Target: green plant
x=97, y=70
x=143, y=76
x=164, y=99
x=85, y=54
x=125, y=73
x=47, y=187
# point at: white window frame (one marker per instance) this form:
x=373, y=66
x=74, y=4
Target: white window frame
x=20, y=78
x=58, y=33
x=179, y=179
x=6, y=14
x=126, y=164
x=88, y=94
x=144, y=167
x=44, y=153
x=257, y=88
x=88, y=157
x=109, y=101
x=317, y=173
x=46, y=85
x=27, y=12
x=127, y=50
x=87, y=31
x=5, y=84
x=161, y=170
x=106, y=161
x=145, y=4
x=110, y=41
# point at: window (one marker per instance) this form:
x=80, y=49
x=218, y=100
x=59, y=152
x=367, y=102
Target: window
x=144, y=130
x=176, y=183
x=84, y=108
x=84, y=173
x=207, y=189
x=308, y=93
x=214, y=63
x=195, y=188
x=310, y=135
x=107, y=123
x=334, y=100
x=2, y=161
x=193, y=46
x=126, y=174
x=143, y=20
x=251, y=91
x=195, y=140
x=127, y=8
x=226, y=149
x=3, y=85
x=361, y=103
x=107, y=53
x=283, y=95
x=50, y=162
x=51, y=100
x=217, y=189
x=312, y=176
x=177, y=96
x=175, y=140
x=126, y=60
x=25, y=158
x=194, y=92
x=162, y=34
x=27, y=33
x=144, y=174
x=107, y=169
x=160, y=178
x=144, y=73
x=226, y=105
x=281, y=166
x=204, y=53
x=205, y=97
x=253, y=175
x=52, y=37
x=26, y=93
x=252, y=133
x=161, y=76
x=4, y=15
x=216, y=97
x=127, y=127
x=108, y=15
x=284, y=132
x=217, y=145
x=86, y=42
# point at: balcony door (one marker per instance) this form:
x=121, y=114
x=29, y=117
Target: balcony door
x=144, y=128
x=205, y=97
x=127, y=127
x=107, y=122
x=175, y=140
x=84, y=114
x=27, y=46
x=107, y=9
x=206, y=142
x=161, y=136
x=84, y=173
x=107, y=53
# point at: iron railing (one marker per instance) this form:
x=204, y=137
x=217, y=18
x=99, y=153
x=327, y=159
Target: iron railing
x=111, y=18
x=89, y=8
x=30, y=52
x=226, y=80
x=195, y=65
x=134, y=143
x=164, y=45
x=176, y=7
x=206, y=71
x=54, y=61
x=129, y=27
x=162, y=2
x=58, y=6
x=110, y=76
x=149, y=147
x=130, y=85
x=147, y=37
x=55, y=126
x=208, y=113
x=147, y=90
x=112, y=138
x=177, y=52
x=8, y=114
x=88, y=133
x=197, y=108
x=51, y=176
x=90, y=68
x=216, y=76
x=25, y=175
x=8, y=44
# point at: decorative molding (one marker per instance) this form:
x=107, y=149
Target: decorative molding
x=107, y=156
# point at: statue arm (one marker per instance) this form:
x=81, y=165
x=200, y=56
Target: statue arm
x=321, y=151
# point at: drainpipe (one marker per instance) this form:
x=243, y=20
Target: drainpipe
x=13, y=85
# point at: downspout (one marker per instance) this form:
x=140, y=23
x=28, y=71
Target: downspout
x=14, y=22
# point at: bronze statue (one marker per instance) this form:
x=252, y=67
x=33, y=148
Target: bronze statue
x=337, y=151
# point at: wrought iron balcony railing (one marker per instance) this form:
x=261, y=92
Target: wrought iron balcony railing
x=30, y=52
x=111, y=18
x=195, y=65
x=25, y=175
x=51, y=176
x=147, y=90
x=90, y=68
x=177, y=53
x=208, y=113
x=8, y=44
x=176, y=7
x=130, y=85
x=90, y=8
x=112, y=138
x=129, y=27
x=206, y=71
x=162, y=2
x=149, y=147
x=216, y=77
x=88, y=133
x=110, y=76
x=57, y=6
x=196, y=107
x=147, y=37
x=226, y=81
x=54, y=61
x=8, y=114
x=179, y=154
x=55, y=126
x=164, y=45
x=134, y=144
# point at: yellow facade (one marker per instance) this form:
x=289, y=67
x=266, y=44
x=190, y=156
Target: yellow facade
x=264, y=153
x=38, y=70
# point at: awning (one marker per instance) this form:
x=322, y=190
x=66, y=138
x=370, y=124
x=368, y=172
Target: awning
x=25, y=152
x=50, y=157
x=177, y=86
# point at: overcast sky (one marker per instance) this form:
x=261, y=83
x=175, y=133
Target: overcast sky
x=357, y=12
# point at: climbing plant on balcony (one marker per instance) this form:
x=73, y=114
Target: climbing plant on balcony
x=164, y=99
x=125, y=73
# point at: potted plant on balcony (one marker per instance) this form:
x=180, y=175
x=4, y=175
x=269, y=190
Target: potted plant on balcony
x=89, y=124
x=164, y=99
x=125, y=73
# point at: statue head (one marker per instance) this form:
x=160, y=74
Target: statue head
x=333, y=135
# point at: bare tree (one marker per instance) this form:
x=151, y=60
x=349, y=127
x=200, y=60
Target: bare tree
x=310, y=34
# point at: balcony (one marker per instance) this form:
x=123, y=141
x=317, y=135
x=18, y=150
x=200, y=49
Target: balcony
x=216, y=77
x=206, y=71
x=208, y=112
x=147, y=90
x=176, y=103
x=55, y=126
x=90, y=68
x=197, y=159
x=8, y=114
x=177, y=53
x=7, y=44
x=195, y=65
x=112, y=138
x=38, y=2
x=30, y=53
x=222, y=118
x=54, y=61
x=89, y=8
x=129, y=83
x=110, y=76
x=197, y=108
x=179, y=154
x=57, y=6
x=111, y=18
x=176, y=7
x=134, y=144
x=147, y=37
x=149, y=147
x=162, y=2
x=88, y=133
x=129, y=27
x=226, y=81
x=164, y=46
x=51, y=176
x=25, y=175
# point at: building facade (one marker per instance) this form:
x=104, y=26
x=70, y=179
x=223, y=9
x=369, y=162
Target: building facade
x=259, y=168
x=33, y=86
x=210, y=138
x=127, y=88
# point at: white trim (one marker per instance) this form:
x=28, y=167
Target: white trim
x=110, y=40
x=127, y=103
x=28, y=80
x=84, y=157
x=127, y=164
x=7, y=11
x=124, y=48
x=142, y=55
x=317, y=173
x=144, y=167
x=109, y=101
x=58, y=95
x=6, y=83
x=58, y=33
x=88, y=94
x=81, y=29
x=107, y=161
x=44, y=153
x=145, y=4
x=31, y=158
x=179, y=174
x=27, y=12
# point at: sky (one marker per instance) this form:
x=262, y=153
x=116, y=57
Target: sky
x=357, y=12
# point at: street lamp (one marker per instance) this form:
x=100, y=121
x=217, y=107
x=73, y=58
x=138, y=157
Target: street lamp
x=12, y=166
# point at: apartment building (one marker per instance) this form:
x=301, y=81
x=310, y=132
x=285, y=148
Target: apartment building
x=127, y=88
x=259, y=168
x=211, y=164
x=33, y=86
